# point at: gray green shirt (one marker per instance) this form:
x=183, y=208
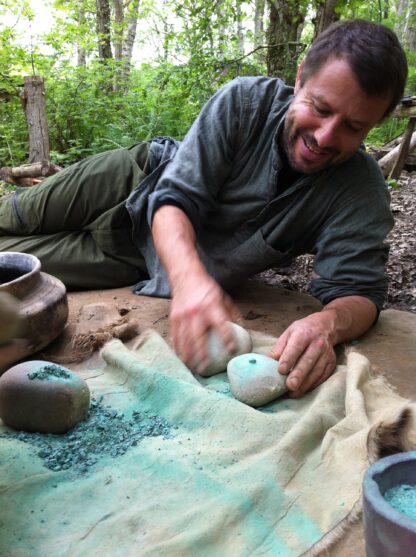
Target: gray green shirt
x=225, y=175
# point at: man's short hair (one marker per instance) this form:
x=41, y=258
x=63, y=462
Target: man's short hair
x=373, y=52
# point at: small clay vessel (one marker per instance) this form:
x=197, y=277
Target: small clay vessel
x=255, y=379
x=42, y=397
x=43, y=305
x=219, y=355
x=9, y=318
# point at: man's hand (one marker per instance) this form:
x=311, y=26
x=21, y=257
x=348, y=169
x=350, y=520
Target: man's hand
x=198, y=302
x=197, y=307
x=305, y=350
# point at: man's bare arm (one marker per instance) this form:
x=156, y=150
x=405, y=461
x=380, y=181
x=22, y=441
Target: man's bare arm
x=306, y=348
x=198, y=302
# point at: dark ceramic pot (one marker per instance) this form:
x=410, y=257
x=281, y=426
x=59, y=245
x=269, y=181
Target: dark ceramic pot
x=42, y=299
x=388, y=532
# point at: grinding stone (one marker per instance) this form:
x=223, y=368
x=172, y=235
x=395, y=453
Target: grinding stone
x=38, y=396
x=219, y=355
x=255, y=379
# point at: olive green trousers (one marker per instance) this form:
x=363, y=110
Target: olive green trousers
x=76, y=221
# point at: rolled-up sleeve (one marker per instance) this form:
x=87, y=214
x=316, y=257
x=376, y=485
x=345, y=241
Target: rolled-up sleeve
x=351, y=253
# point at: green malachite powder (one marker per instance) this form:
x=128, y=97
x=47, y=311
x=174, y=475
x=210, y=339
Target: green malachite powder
x=105, y=432
x=402, y=497
x=50, y=371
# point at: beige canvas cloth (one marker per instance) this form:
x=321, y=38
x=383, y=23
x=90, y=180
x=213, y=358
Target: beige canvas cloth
x=229, y=480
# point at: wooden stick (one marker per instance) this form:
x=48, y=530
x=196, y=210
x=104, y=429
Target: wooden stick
x=403, y=151
x=386, y=163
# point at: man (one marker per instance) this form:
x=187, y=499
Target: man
x=261, y=177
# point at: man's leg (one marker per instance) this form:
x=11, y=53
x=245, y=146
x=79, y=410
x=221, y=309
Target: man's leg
x=75, y=259
x=77, y=224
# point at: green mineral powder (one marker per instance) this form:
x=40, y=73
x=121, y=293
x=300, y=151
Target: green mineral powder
x=104, y=433
x=402, y=497
x=48, y=372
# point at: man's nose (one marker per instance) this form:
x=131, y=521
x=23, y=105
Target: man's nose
x=326, y=135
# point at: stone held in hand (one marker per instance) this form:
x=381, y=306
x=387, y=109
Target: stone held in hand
x=255, y=379
x=219, y=356
x=39, y=396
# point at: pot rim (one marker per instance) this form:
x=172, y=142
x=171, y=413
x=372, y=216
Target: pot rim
x=29, y=257
x=374, y=496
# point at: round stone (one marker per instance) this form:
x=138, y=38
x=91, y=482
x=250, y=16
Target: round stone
x=219, y=356
x=255, y=379
x=39, y=396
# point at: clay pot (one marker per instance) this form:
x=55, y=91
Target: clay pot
x=388, y=532
x=9, y=318
x=42, y=299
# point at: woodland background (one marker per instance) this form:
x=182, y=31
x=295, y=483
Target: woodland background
x=120, y=71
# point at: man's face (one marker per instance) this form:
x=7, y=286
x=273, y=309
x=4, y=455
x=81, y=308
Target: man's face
x=329, y=118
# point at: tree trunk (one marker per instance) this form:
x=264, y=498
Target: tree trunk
x=325, y=15
x=222, y=29
x=35, y=109
x=259, y=22
x=240, y=34
x=286, y=17
x=259, y=28
x=118, y=29
x=130, y=37
x=401, y=12
x=80, y=17
x=411, y=31
x=104, y=30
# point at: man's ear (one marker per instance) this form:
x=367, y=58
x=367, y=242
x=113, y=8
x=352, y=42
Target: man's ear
x=297, y=80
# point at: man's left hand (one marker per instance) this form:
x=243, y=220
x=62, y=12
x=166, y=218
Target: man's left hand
x=305, y=352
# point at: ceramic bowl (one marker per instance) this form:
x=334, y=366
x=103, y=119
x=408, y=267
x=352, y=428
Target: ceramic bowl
x=388, y=532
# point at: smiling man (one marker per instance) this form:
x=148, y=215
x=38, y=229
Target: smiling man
x=329, y=117
x=266, y=173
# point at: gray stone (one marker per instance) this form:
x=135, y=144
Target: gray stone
x=38, y=396
x=255, y=379
x=219, y=355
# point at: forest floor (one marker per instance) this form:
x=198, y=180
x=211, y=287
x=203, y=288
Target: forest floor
x=401, y=267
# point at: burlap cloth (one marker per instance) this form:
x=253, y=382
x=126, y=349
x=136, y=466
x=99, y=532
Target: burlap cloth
x=231, y=480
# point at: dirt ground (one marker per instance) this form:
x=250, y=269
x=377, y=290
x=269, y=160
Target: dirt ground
x=401, y=267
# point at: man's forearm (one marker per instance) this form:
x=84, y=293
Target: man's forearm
x=198, y=303
x=174, y=240
x=348, y=318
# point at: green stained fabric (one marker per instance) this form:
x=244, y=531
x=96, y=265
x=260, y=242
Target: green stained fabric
x=229, y=480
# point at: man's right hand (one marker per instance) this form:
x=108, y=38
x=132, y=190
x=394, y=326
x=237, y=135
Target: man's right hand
x=199, y=306
x=198, y=303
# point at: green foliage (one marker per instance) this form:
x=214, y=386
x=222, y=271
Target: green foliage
x=392, y=184
x=196, y=50
x=386, y=131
